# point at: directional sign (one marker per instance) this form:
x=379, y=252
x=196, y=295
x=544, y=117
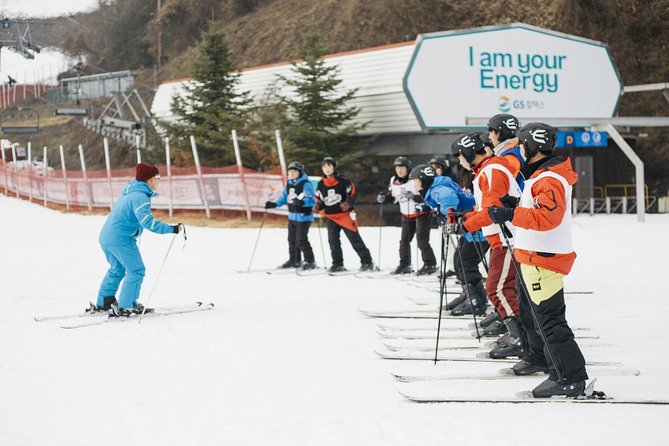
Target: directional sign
x=581, y=139
x=520, y=69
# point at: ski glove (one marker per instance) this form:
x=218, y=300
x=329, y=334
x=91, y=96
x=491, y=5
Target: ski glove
x=297, y=202
x=509, y=201
x=418, y=198
x=500, y=215
x=319, y=206
x=177, y=228
x=345, y=206
x=270, y=205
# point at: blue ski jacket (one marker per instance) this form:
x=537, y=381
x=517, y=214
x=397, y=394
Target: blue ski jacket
x=446, y=193
x=300, y=189
x=130, y=215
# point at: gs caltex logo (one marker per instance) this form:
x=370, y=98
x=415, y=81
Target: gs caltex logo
x=504, y=103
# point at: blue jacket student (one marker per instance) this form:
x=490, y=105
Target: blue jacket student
x=300, y=198
x=441, y=193
x=130, y=215
x=300, y=190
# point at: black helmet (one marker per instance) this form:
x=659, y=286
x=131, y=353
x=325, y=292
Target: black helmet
x=296, y=165
x=402, y=161
x=425, y=173
x=468, y=145
x=507, y=125
x=537, y=137
x=440, y=160
x=330, y=160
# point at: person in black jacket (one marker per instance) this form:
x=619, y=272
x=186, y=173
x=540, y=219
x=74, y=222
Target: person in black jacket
x=335, y=196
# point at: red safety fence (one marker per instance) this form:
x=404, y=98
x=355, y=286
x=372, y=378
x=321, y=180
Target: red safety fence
x=223, y=187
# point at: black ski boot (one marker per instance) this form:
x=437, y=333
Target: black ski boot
x=136, y=309
x=457, y=301
x=477, y=304
x=367, y=267
x=289, y=264
x=106, y=306
x=550, y=388
x=402, y=269
x=336, y=269
x=515, y=347
x=306, y=266
x=497, y=328
x=490, y=318
x=426, y=270
x=524, y=368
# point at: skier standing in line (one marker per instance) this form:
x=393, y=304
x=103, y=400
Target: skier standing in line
x=543, y=248
x=502, y=129
x=300, y=197
x=130, y=215
x=415, y=219
x=493, y=181
x=445, y=197
x=335, y=197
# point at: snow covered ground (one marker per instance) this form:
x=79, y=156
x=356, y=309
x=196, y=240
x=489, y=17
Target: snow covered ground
x=287, y=360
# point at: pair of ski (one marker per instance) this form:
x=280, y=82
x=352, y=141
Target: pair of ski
x=591, y=396
x=89, y=319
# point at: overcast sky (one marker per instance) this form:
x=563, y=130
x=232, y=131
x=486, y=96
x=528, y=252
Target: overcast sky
x=42, y=8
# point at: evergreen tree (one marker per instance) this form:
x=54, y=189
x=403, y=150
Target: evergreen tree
x=320, y=122
x=212, y=105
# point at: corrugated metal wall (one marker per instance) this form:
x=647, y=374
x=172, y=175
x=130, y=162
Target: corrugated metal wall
x=377, y=73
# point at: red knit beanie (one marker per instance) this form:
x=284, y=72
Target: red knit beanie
x=144, y=172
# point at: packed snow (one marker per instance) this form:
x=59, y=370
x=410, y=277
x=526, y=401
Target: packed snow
x=288, y=360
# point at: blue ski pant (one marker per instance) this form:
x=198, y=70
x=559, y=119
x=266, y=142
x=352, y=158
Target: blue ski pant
x=125, y=262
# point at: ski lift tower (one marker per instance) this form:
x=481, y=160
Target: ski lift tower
x=16, y=38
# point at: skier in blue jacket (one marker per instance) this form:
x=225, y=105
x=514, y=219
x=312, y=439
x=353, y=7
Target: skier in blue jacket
x=300, y=197
x=447, y=198
x=130, y=215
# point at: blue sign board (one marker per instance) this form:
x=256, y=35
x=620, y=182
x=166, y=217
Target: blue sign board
x=582, y=139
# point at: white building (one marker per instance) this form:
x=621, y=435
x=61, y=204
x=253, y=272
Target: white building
x=377, y=73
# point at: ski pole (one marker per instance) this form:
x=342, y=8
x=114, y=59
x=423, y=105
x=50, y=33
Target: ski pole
x=378, y=262
x=466, y=287
x=160, y=272
x=442, y=288
x=320, y=237
x=506, y=231
x=262, y=222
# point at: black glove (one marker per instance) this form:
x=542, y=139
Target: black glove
x=297, y=202
x=417, y=198
x=422, y=208
x=381, y=198
x=500, y=215
x=177, y=228
x=509, y=201
x=456, y=228
x=270, y=205
x=319, y=206
x=345, y=206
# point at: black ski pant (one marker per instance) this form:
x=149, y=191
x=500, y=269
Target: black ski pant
x=467, y=259
x=559, y=337
x=356, y=242
x=420, y=226
x=298, y=241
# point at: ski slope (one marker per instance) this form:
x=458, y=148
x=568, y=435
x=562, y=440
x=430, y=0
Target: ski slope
x=287, y=360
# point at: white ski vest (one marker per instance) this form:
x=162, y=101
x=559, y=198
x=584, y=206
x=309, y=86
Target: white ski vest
x=399, y=193
x=554, y=241
x=514, y=191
